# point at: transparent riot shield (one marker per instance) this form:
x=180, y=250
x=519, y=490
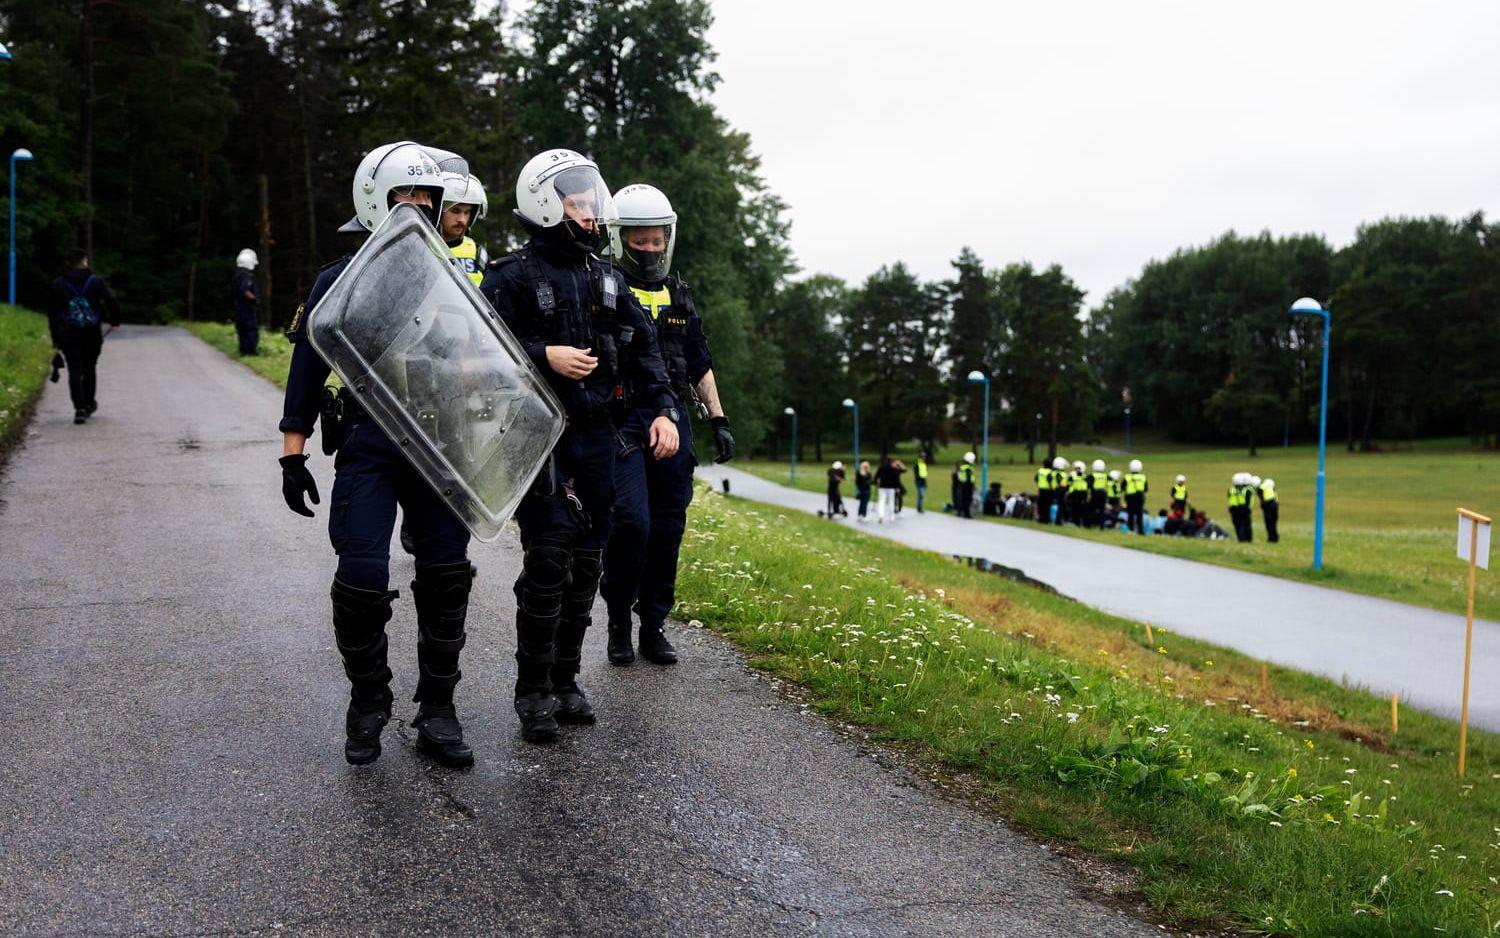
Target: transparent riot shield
x=423, y=352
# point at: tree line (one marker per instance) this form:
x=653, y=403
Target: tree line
x=1199, y=344
x=168, y=135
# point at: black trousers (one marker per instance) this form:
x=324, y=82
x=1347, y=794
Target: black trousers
x=1135, y=510
x=249, y=334
x=83, y=359
x=1044, y=506
x=1270, y=511
x=1241, y=518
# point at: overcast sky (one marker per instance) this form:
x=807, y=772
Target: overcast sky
x=1099, y=135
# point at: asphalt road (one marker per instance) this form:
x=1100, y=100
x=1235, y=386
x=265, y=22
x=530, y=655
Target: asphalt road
x=171, y=706
x=1375, y=643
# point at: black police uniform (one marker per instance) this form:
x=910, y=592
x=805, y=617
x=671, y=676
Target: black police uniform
x=246, y=310
x=371, y=477
x=652, y=495
x=558, y=294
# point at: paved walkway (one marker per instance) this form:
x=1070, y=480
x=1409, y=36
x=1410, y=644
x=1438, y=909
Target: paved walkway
x=171, y=706
x=1383, y=645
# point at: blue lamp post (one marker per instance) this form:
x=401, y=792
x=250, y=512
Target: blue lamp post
x=1311, y=307
x=849, y=402
x=979, y=377
x=792, y=413
x=21, y=155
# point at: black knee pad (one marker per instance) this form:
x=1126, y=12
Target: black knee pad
x=359, y=620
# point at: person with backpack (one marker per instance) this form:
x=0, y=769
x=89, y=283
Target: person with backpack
x=81, y=302
x=244, y=295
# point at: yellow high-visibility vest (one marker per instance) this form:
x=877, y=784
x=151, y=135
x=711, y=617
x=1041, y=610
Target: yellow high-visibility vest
x=1113, y=490
x=1135, y=483
x=1078, y=482
x=1179, y=492
x=921, y=469
x=653, y=301
x=1268, y=491
x=966, y=473
x=471, y=259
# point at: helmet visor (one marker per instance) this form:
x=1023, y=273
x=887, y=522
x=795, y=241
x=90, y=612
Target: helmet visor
x=584, y=198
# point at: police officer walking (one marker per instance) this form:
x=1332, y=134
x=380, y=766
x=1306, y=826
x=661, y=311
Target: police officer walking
x=1270, y=507
x=652, y=493
x=244, y=294
x=371, y=476
x=464, y=202
x=1135, y=497
x=587, y=333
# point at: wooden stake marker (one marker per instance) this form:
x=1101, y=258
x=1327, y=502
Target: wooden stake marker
x=1395, y=714
x=1150, y=639
x=1265, y=678
x=1473, y=546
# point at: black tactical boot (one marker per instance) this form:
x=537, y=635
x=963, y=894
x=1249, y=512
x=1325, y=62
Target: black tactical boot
x=577, y=611
x=538, y=605
x=359, y=618
x=621, y=650
x=654, y=645
x=441, y=592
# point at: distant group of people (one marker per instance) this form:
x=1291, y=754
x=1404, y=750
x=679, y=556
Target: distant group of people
x=1085, y=495
x=884, y=482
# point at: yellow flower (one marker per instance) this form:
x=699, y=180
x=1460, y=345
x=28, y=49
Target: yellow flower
x=1291, y=773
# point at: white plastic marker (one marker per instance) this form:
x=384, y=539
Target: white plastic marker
x=1473, y=546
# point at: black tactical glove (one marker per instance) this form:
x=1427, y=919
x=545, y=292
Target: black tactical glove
x=723, y=439
x=296, y=480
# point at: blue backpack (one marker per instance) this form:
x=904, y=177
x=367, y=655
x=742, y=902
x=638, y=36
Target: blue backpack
x=80, y=313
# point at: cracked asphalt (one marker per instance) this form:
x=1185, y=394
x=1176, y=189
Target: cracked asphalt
x=171, y=706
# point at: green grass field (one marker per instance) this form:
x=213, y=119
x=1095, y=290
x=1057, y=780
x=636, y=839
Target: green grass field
x=25, y=353
x=1391, y=527
x=1288, y=809
x=272, y=361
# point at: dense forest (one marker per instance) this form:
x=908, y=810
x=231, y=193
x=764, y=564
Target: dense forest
x=168, y=135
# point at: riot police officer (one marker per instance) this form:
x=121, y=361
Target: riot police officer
x=371, y=476
x=464, y=202
x=244, y=294
x=652, y=494
x=587, y=333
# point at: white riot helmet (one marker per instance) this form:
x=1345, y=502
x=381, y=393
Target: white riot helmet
x=1115, y=474
x=1269, y=483
x=465, y=189
x=1098, y=465
x=1181, y=479
x=246, y=259
x=838, y=464
x=1255, y=480
x=1078, y=465
x=969, y=458
x=643, y=206
x=558, y=193
x=1239, y=479
x=1135, y=466
x=1059, y=463
x=402, y=167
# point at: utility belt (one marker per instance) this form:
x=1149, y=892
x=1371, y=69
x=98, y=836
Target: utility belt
x=338, y=408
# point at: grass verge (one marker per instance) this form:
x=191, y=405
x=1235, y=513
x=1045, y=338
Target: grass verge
x=25, y=351
x=271, y=362
x=1390, y=515
x=1285, y=809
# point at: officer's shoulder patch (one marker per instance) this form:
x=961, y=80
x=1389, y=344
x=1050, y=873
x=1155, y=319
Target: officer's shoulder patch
x=503, y=260
x=295, y=327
